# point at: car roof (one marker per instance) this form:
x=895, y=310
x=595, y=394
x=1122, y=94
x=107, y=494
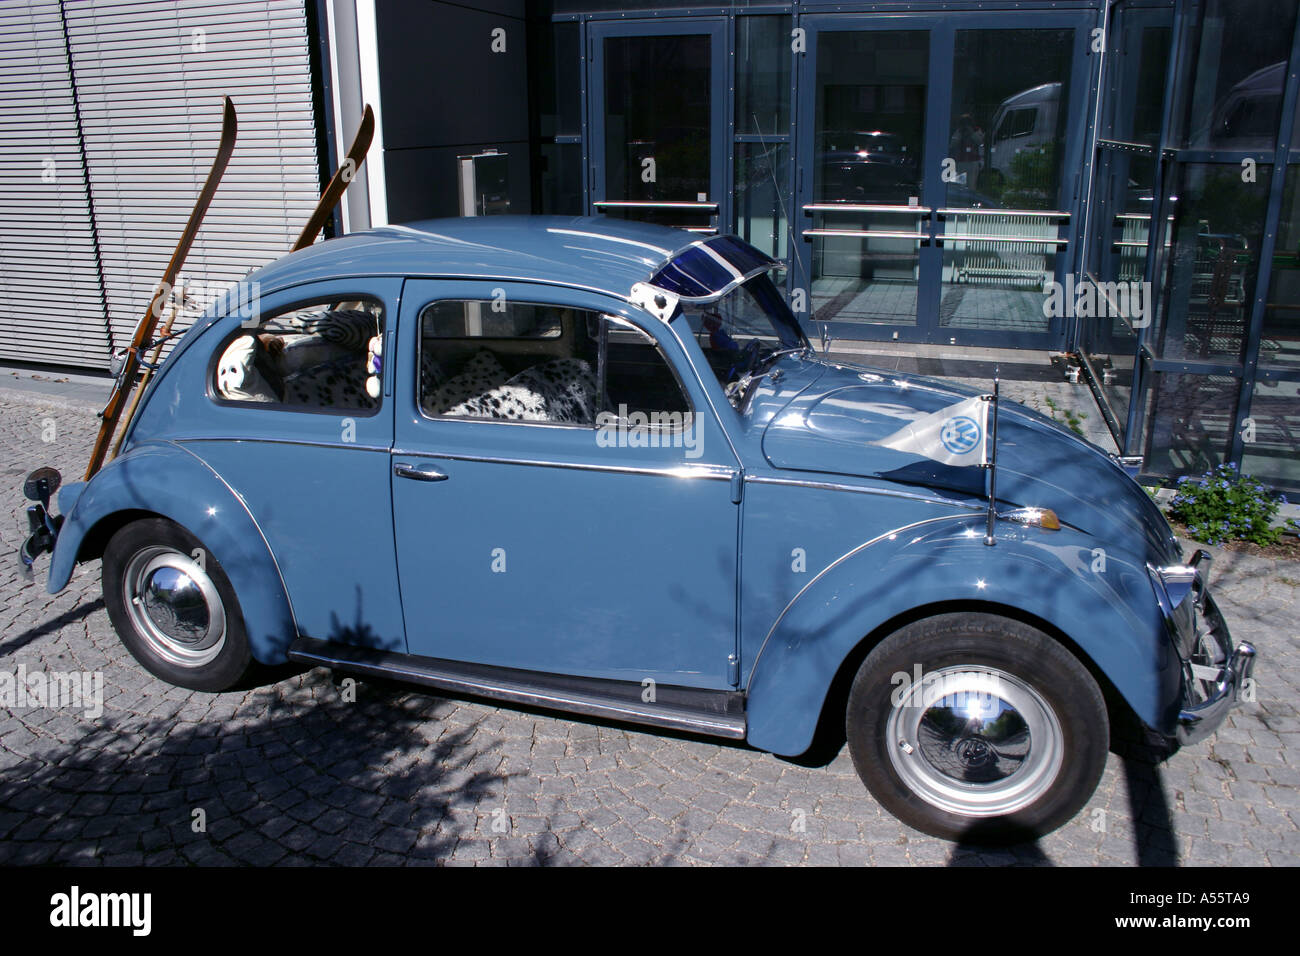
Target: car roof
x=594, y=252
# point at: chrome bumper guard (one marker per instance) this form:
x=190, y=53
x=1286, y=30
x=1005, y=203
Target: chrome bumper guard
x=1198, y=721
x=1210, y=663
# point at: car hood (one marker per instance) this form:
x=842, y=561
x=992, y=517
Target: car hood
x=829, y=426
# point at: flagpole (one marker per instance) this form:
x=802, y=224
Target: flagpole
x=993, y=465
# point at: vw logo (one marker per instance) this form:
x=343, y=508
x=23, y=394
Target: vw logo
x=960, y=435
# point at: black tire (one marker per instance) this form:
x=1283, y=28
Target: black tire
x=934, y=756
x=187, y=628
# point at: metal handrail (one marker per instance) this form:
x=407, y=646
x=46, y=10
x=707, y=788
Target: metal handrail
x=866, y=233
x=637, y=204
x=869, y=207
x=1037, y=213
x=1023, y=240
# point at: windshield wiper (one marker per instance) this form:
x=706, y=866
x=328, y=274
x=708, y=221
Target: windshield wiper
x=772, y=356
x=741, y=387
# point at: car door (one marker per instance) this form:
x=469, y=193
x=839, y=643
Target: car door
x=292, y=431
x=528, y=537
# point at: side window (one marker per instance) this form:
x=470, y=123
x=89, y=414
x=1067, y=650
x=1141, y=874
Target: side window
x=1016, y=123
x=529, y=362
x=320, y=356
x=508, y=361
x=640, y=386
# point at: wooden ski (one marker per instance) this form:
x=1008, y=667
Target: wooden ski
x=338, y=183
x=145, y=329
x=148, y=373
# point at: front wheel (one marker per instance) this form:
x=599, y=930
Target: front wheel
x=977, y=727
x=174, y=608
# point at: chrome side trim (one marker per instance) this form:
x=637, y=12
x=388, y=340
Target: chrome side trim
x=711, y=474
x=836, y=486
x=830, y=567
x=345, y=446
x=445, y=676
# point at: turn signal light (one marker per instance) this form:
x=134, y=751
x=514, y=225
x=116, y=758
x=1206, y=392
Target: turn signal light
x=1044, y=518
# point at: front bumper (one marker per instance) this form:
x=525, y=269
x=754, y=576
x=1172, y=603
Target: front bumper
x=1212, y=689
x=1215, y=674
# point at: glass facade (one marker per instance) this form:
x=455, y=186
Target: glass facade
x=944, y=173
x=1006, y=137
x=1198, y=135
x=1211, y=262
x=1279, y=348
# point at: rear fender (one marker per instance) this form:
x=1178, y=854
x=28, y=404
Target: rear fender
x=165, y=479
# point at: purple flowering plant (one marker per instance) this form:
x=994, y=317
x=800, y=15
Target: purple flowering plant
x=1224, y=505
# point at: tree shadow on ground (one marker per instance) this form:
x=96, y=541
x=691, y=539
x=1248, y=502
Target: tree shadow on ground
x=54, y=624
x=305, y=778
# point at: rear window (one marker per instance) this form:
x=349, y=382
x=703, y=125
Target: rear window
x=320, y=356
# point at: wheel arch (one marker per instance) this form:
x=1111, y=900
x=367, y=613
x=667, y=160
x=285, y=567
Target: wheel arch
x=96, y=537
x=164, y=480
x=1110, y=623
x=831, y=719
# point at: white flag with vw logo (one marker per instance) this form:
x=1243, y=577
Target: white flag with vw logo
x=956, y=435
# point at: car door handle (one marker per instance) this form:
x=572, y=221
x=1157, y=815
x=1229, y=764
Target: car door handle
x=423, y=472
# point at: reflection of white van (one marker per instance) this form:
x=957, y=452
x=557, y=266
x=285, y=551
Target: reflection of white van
x=1246, y=117
x=1026, y=120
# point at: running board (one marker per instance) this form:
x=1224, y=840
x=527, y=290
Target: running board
x=711, y=712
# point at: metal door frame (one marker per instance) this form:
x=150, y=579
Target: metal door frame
x=719, y=32
x=942, y=29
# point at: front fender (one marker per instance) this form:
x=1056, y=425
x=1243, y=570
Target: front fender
x=1110, y=613
x=167, y=480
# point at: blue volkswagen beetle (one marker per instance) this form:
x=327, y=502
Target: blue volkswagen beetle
x=595, y=466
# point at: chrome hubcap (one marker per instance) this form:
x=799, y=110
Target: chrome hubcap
x=975, y=741
x=174, y=606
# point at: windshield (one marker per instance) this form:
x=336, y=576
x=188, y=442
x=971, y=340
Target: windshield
x=741, y=332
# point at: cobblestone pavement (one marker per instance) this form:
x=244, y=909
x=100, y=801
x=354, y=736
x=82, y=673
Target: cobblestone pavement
x=292, y=774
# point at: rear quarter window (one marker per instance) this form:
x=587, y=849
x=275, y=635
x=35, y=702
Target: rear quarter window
x=318, y=356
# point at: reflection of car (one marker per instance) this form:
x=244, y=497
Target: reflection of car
x=1246, y=117
x=865, y=167
x=963, y=197
x=1024, y=122
x=594, y=466
x=874, y=146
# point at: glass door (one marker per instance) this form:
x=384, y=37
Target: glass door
x=658, y=122
x=1011, y=161
x=864, y=236
x=938, y=171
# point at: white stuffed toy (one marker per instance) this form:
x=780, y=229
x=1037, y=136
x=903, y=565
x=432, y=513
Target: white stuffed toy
x=237, y=374
x=374, y=365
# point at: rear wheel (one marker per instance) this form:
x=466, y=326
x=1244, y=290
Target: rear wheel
x=977, y=727
x=173, y=606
